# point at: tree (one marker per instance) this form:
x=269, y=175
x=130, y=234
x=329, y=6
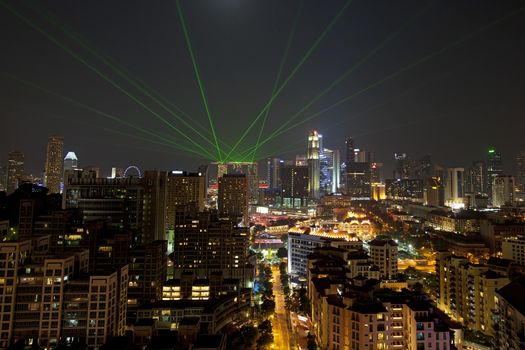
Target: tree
x=310, y=342
x=282, y=252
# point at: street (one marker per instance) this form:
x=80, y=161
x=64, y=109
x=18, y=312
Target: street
x=280, y=320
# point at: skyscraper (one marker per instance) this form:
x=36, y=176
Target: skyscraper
x=350, y=146
x=314, y=164
x=475, y=178
x=520, y=171
x=15, y=170
x=503, y=191
x=273, y=172
x=233, y=196
x=294, y=185
x=404, y=166
x=184, y=189
x=70, y=161
x=54, y=163
x=494, y=168
x=454, y=186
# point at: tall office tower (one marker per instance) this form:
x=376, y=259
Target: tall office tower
x=326, y=170
x=350, y=150
x=294, y=185
x=503, y=191
x=434, y=194
x=135, y=204
x=494, y=168
x=336, y=174
x=233, y=196
x=314, y=164
x=15, y=170
x=184, y=189
x=376, y=172
x=454, y=185
x=358, y=178
x=54, y=164
x=475, y=178
x=71, y=163
x=520, y=171
x=222, y=169
x=424, y=168
x=404, y=167
x=206, y=245
x=273, y=172
x=383, y=254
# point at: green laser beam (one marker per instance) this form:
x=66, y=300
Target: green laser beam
x=393, y=75
x=197, y=76
x=292, y=74
x=135, y=82
x=99, y=73
x=354, y=67
x=120, y=132
x=279, y=72
x=101, y=113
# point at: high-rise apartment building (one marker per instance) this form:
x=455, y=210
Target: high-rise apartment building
x=233, y=196
x=467, y=291
x=509, y=316
x=503, y=191
x=50, y=301
x=54, y=164
x=15, y=170
x=205, y=244
x=182, y=189
x=315, y=141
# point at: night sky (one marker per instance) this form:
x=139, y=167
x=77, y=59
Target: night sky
x=467, y=96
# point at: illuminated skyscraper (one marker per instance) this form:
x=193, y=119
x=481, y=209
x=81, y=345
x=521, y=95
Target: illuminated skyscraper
x=15, y=170
x=54, y=163
x=330, y=170
x=70, y=161
x=494, y=168
x=314, y=164
x=454, y=185
x=503, y=191
x=273, y=172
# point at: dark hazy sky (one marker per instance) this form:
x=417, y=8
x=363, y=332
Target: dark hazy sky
x=453, y=106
